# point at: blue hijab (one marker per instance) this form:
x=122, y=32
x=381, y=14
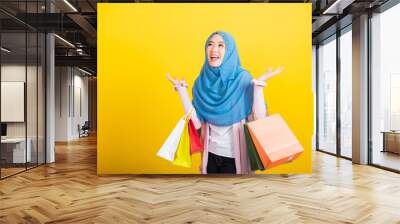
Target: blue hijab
x=223, y=95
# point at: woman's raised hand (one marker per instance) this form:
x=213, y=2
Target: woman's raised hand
x=270, y=73
x=176, y=82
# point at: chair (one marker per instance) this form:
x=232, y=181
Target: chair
x=84, y=130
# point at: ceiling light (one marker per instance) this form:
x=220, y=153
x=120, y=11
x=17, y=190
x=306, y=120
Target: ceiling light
x=5, y=50
x=70, y=5
x=65, y=41
x=84, y=71
x=338, y=6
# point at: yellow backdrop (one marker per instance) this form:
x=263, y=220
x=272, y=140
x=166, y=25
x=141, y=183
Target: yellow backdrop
x=139, y=43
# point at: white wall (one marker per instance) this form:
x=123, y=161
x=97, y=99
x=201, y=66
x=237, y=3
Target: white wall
x=62, y=81
x=12, y=73
x=82, y=83
x=71, y=87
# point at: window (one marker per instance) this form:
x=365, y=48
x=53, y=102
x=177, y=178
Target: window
x=327, y=96
x=385, y=89
x=346, y=93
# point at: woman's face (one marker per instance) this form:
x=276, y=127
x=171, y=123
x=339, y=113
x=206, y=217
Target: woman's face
x=215, y=50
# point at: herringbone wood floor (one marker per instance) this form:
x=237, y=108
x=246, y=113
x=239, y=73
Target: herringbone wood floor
x=69, y=191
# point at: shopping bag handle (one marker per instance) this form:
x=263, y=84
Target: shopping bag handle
x=189, y=114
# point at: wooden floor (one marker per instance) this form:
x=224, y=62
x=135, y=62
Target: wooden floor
x=5, y=172
x=387, y=159
x=69, y=191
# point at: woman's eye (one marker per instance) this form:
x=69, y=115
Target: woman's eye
x=220, y=45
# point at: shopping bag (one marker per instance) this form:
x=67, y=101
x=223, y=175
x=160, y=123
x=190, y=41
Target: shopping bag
x=170, y=146
x=195, y=143
x=254, y=158
x=182, y=156
x=274, y=141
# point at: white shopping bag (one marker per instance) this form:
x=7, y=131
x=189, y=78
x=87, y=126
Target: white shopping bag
x=170, y=146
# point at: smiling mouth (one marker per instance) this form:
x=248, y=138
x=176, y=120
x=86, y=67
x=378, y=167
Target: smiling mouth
x=214, y=58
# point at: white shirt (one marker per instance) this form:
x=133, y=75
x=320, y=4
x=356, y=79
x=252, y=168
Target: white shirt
x=221, y=140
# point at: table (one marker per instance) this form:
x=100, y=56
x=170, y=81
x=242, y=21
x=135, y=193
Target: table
x=15, y=148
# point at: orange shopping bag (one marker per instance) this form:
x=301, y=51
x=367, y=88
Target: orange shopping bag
x=275, y=142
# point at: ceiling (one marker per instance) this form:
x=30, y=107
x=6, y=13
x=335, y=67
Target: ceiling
x=72, y=20
x=76, y=22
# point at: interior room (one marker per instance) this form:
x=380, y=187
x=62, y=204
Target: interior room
x=52, y=116
x=22, y=101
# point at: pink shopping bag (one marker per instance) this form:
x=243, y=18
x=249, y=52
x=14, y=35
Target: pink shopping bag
x=275, y=142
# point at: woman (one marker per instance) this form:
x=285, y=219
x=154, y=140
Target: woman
x=225, y=96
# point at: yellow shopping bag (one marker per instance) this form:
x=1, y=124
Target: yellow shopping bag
x=182, y=156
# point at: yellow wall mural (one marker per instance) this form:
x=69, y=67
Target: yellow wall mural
x=139, y=43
